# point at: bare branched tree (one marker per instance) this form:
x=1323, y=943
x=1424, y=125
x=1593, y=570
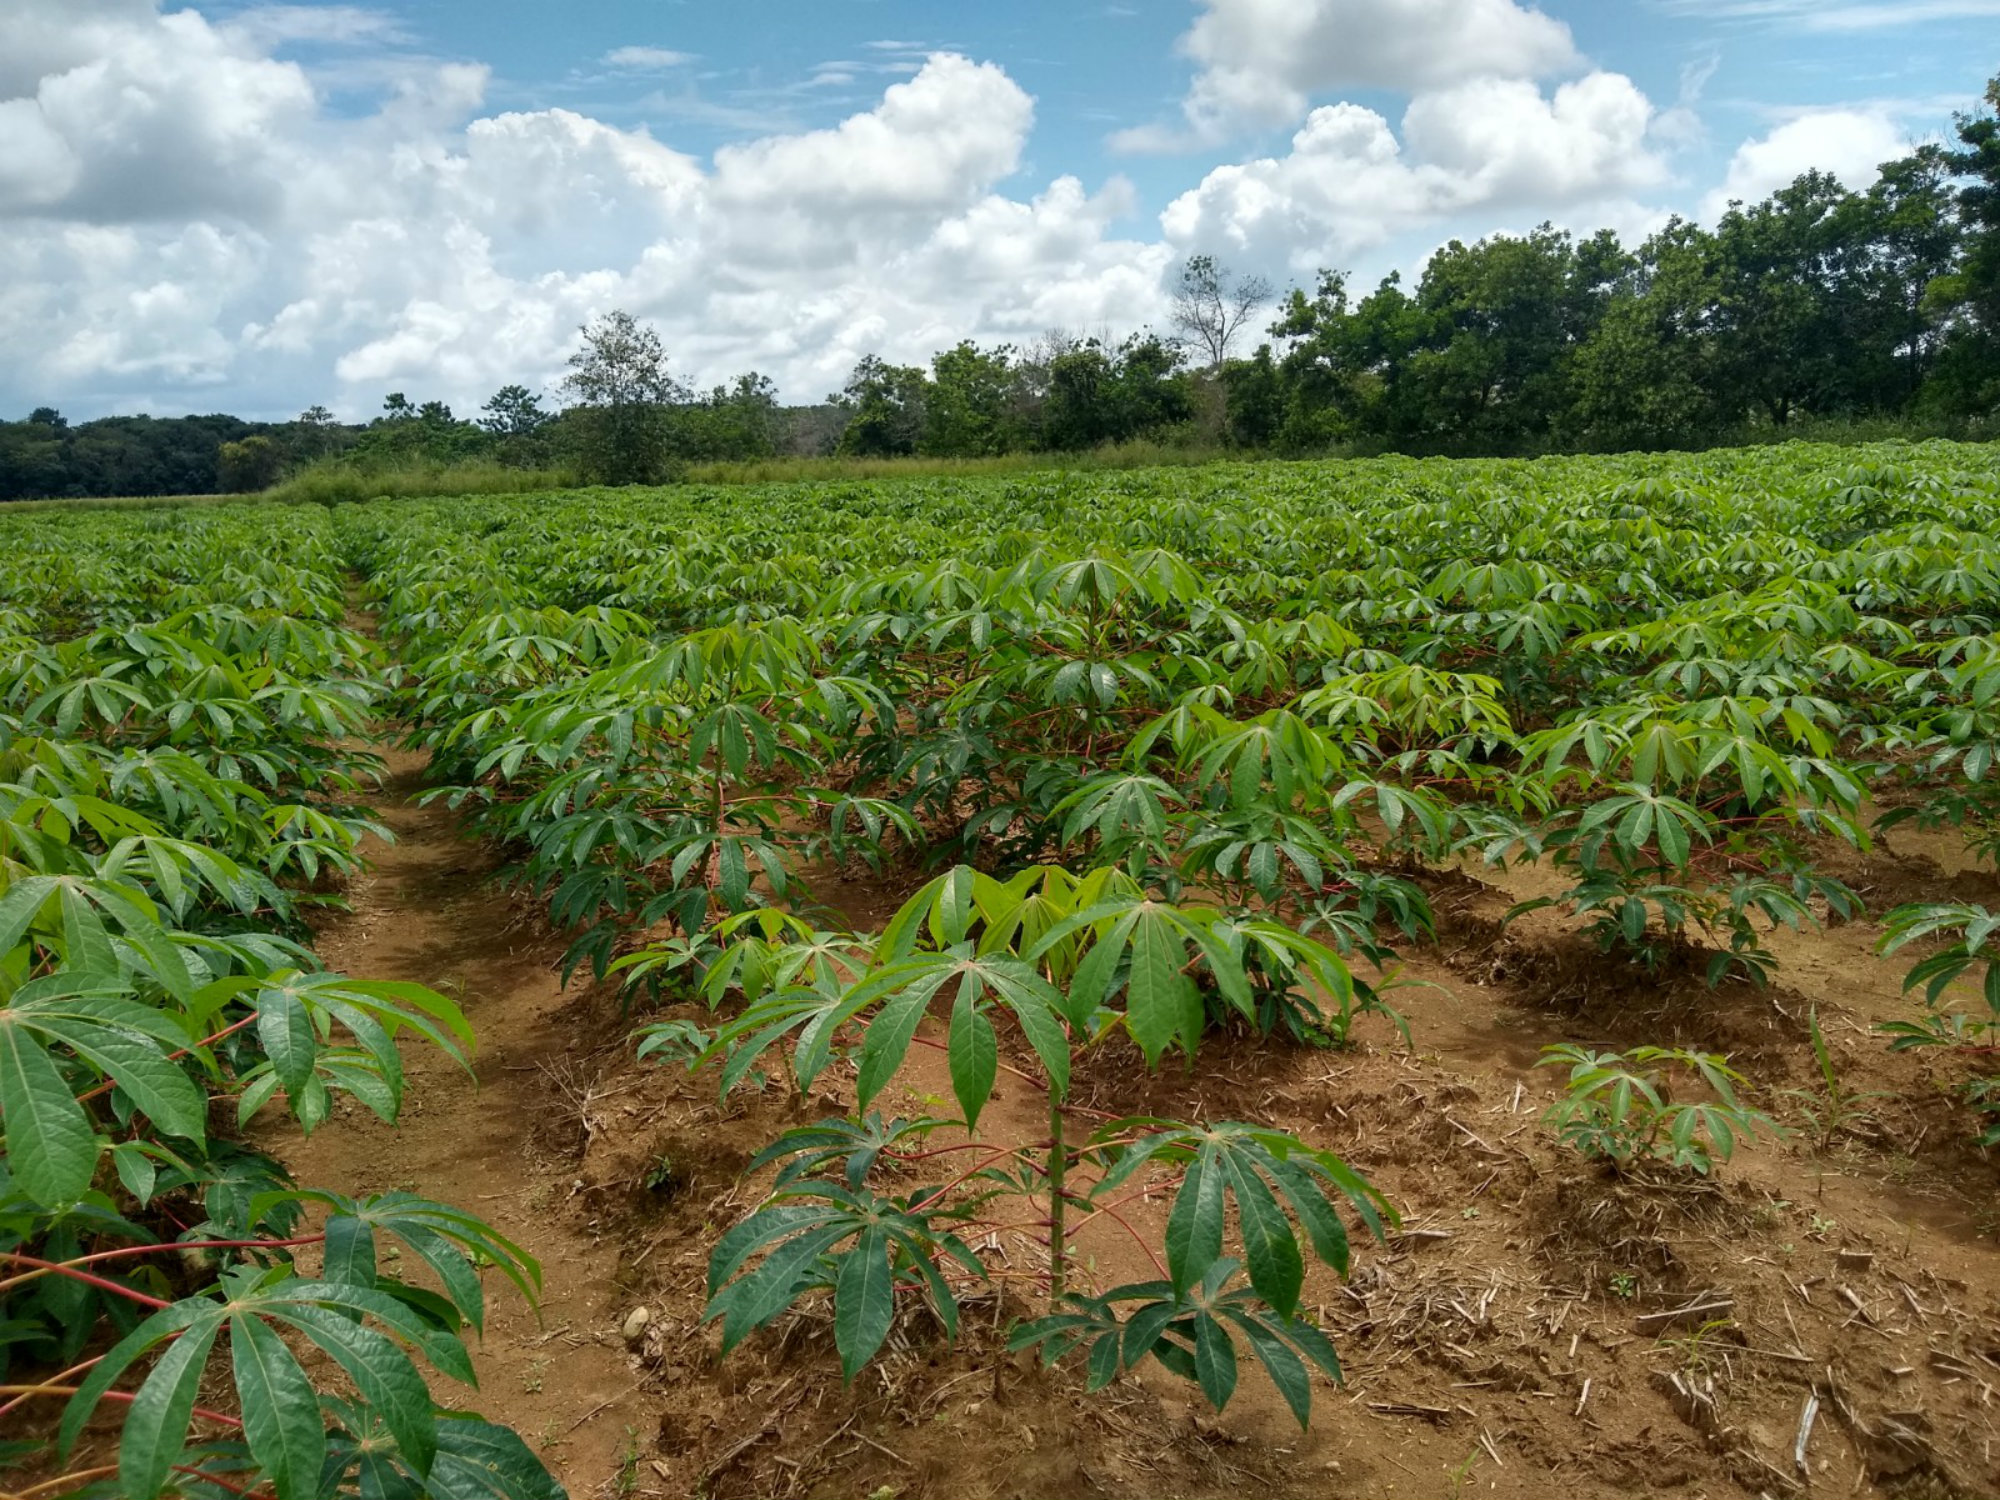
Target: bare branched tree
x=1213, y=304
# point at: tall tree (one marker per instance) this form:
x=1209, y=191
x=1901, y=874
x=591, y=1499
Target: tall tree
x=1212, y=303
x=886, y=405
x=513, y=411
x=1647, y=377
x=622, y=389
x=1969, y=298
x=968, y=408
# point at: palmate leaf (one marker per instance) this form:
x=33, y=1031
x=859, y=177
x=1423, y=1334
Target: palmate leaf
x=856, y=1144
x=945, y=910
x=1125, y=810
x=451, y=1242
x=904, y=991
x=1278, y=747
x=297, y=1011
x=64, y=915
x=1639, y=816
x=819, y=1234
x=474, y=1460
x=53, y=1146
x=281, y=1419
x=1265, y=1172
x=817, y=1015
x=1192, y=1332
x=1973, y=927
x=282, y=1425
x=1144, y=947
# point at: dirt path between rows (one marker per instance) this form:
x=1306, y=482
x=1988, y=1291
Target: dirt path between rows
x=495, y=1146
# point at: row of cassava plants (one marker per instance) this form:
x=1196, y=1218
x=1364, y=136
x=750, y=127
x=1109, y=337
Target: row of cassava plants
x=179, y=707
x=1672, y=684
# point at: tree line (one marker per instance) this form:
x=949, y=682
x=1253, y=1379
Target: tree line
x=1818, y=304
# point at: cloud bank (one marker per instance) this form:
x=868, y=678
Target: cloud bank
x=188, y=222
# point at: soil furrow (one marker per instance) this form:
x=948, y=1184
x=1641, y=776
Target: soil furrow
x=499, y=1145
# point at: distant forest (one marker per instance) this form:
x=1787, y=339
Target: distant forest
x=1818, y=305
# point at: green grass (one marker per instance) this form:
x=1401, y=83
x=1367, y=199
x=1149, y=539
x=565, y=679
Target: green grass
x=1134, y=455
x=333, y=485
x=116, y=502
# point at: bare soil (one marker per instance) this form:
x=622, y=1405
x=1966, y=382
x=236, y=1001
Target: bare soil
x=505, y=1145
x=1517, y=1339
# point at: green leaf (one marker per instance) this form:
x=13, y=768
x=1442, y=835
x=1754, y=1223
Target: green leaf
x=974, y=1054
x=758, y=1296
x=1287, y=1371
x=281, y=1418
x=483, y=1461
x=382, y=1373
x=136, y=1065
x=889, y=1034
x=156, y=1423
x=116, y=1360
x=19, y=906
x=51, y=1149
x=1194, y=1226
x=285, y=1028
x=349, y=1256
x=1214, y=1360
x=864, y=1302
x=1157, y=992
x=1277, y=1270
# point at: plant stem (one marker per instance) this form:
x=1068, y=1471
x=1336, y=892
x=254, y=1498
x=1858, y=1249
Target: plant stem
x=230, y=1030
x=24, y=1391
x=1058, y=1246
x=84, y=1276
x=161, y=1249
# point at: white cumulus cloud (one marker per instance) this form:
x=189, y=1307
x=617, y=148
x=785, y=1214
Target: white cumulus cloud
x=1348, y=184
x=1849, y=143
x=1260, y=62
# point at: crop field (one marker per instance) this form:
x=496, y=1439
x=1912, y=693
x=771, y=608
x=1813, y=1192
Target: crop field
x=1382, y=978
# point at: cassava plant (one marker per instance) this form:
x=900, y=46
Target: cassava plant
x=1619, y=1108
x=1967, y=948
x=862, y=1207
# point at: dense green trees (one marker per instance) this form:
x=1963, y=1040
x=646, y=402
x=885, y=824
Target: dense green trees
x=1818, y=303
x=48, y=456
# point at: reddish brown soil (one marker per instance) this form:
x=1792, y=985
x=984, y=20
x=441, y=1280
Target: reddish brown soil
x=1495, y=1348
x=505, y=1146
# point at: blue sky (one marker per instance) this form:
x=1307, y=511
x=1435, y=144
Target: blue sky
x=256, y=206
x=760, y=66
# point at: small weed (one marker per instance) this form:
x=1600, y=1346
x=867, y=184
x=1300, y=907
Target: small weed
x=1616, y=1107
x=1830, y=1110
x=531, y=1378
x=1822, y=1226
x=627, y=1481
x=1461, y=1472
x=1624, y=1285
x=1695, y=1352
x=1770, y=1213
